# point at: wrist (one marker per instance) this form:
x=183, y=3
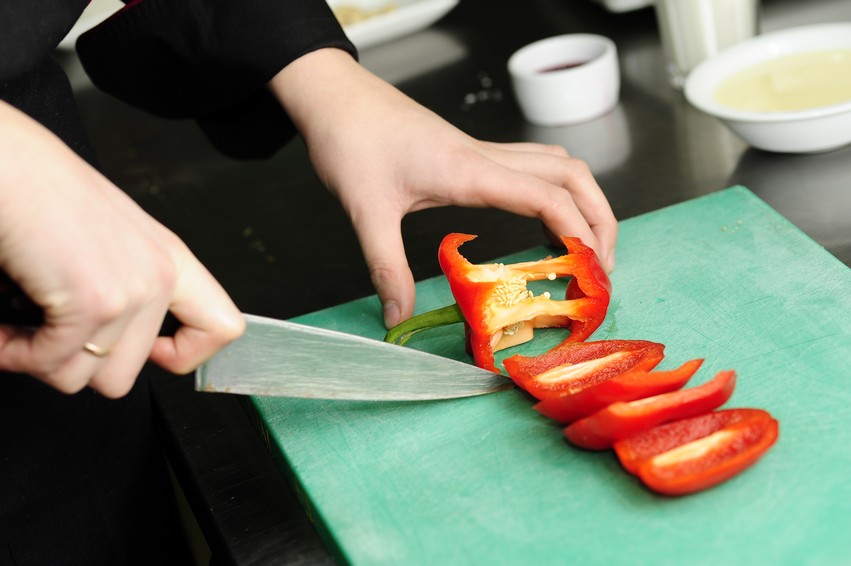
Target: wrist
x=327, y=89
x=314, y=83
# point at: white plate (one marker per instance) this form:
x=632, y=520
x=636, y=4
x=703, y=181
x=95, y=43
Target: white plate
x=96, y=12
x=407, y=17
x=618, y=6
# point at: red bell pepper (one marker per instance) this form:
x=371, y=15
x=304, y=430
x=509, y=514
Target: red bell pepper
x=633, y=452
x=572, y=367
x=625, y=419
x=696, y=453
x=500, y=311
x=630, y=386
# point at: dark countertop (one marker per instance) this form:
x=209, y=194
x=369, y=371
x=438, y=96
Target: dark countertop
x=282, y=247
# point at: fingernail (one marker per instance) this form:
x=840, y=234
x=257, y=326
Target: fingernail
x=391, y=314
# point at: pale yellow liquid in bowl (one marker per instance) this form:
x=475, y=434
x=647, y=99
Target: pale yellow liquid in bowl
x=793, y=82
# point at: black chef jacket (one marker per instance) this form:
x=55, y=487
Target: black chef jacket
x=81, y=478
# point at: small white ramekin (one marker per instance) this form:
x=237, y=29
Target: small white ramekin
x=585, y=84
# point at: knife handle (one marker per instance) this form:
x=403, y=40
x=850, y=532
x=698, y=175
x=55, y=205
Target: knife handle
x=16, y=308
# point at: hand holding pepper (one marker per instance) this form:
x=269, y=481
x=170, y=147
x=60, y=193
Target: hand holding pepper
x=384, y=156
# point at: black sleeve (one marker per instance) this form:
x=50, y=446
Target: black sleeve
x=30, y=30
x=210, y=60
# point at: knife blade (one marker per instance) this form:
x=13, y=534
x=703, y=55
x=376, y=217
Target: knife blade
x=286, y=359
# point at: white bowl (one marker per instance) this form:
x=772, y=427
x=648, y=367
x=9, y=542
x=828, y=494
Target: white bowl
x=566, y=79
x=801, y=131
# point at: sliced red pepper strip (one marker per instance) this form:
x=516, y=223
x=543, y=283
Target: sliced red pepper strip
x=501, y=312
x=636, y=450
x=708, y=460
x=635, y=384
x=571, y=367
x=625, y=419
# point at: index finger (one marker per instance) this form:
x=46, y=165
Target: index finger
x=509, y=187
x=554, y=165
x=210, y=320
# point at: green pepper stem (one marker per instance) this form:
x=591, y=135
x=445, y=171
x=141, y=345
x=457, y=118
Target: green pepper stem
x=443, y=316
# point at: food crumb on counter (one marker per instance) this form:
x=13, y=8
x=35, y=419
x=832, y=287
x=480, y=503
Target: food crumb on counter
x=348, y=14
x=486, y=92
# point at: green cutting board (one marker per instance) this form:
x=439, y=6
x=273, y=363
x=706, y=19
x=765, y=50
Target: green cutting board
x=487, y=480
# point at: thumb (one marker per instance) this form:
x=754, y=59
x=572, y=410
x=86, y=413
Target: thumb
x=380, y=238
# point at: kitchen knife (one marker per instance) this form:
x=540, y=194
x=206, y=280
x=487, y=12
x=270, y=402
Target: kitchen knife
x=285, y=359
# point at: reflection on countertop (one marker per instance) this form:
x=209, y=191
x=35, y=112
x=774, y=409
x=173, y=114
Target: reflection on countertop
x=412, y=56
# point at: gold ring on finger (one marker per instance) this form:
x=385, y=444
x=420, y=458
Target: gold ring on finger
x=95, y=350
